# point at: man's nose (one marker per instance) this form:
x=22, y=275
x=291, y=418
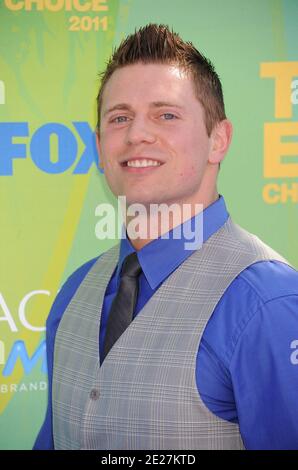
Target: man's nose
x=140, y=130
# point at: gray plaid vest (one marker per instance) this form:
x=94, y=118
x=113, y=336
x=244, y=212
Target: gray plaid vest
x=144, y=395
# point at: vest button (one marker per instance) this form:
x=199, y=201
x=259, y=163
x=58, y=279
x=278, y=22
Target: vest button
x=94, y=394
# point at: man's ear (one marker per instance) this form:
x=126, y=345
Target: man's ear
x=98, y=147
x=221, y=137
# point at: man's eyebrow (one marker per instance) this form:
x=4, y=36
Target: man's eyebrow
x=119, y=106
x=154, y=104
x=160, y=104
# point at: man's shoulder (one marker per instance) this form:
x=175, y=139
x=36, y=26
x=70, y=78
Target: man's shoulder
x=247, y=241
x=66, y=293
x=270, y=279
x=80, y=272
x=83, y=269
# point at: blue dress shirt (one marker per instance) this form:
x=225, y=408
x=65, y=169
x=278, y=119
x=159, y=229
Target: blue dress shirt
x=247, y=362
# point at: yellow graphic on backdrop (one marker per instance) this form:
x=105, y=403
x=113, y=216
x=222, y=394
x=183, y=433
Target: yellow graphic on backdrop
x=284, y=74
x=275, y=149
x=281, y=138
x=76, y=23
x=57, y=5
x=274, y=193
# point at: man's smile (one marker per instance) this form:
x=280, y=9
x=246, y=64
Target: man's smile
x=140, y=164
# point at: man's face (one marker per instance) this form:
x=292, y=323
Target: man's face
x=150, y=116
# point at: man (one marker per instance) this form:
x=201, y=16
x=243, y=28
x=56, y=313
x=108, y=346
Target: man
x=209, y=360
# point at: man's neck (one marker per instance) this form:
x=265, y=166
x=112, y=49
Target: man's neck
x=154, y=223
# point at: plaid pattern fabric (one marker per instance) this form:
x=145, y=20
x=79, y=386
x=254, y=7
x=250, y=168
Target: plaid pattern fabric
x=144, y=396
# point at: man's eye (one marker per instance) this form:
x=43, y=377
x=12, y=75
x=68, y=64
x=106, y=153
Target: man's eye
x=119, y=119
x=168, y=116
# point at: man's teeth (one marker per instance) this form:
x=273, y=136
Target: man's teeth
x=142, y=163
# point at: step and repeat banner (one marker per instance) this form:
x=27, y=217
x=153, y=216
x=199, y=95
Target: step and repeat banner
x=51, y=54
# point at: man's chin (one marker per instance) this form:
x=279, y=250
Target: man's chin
x=145, y=201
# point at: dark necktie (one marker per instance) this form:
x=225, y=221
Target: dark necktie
x=124, y=302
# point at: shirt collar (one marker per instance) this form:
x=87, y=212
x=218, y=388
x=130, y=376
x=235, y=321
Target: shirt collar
x=162, y=256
